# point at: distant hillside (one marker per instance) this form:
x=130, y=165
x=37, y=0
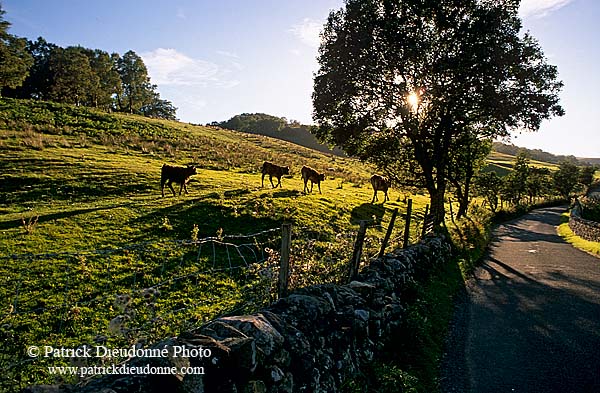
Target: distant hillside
x=540, y=155
x=277, y=127
x=592, y=161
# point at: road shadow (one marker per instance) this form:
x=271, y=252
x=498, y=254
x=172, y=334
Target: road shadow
x=537, y=334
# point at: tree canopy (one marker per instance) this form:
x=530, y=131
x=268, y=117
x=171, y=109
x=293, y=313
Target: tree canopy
x=76, y=75
x=401, y=83
x=14, y=58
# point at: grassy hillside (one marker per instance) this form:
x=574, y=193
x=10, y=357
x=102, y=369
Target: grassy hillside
x=93, y=179
x=502, y=163
x=75, y=180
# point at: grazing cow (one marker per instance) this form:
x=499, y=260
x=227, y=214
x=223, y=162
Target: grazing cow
x=174, y=174
x=315, y=177
x=271, y=169
x=380, y=183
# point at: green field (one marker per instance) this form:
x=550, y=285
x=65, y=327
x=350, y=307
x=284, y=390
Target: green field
x=82, y=221
x=502, y=163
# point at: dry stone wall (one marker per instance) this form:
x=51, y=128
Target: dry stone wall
x=586, y=229
x=311, y=341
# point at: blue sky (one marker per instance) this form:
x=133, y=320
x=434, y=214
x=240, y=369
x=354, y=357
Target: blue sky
x=215, y=59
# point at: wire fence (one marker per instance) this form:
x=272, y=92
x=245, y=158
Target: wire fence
x=129, y=295
x=141, y=293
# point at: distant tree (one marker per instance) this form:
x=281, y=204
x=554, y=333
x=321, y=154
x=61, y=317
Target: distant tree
x=410, y=78
x=109, y=81
x=515, y=182
x=73, y=79
x=14, y=58
x=38, y=81
x=586, y=175
x=466, y=158
x=539, y=182
x=256, y=123
x=136, y=88
x=566, y=178
x=489, y=186
x=160, y=109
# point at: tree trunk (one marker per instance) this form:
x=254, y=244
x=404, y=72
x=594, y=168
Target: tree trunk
x=463, y=202
x=438, y=210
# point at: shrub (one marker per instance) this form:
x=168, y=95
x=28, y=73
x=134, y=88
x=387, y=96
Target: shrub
x=590, y=208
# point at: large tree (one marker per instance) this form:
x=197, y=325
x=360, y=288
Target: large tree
x=136, y=88
x=404, y=81
x=39, y=82
x=566, y=178
x=73, y=79
x=109, y=81
x=14, y=58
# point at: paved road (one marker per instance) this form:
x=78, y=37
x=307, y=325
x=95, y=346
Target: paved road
x=530, y=319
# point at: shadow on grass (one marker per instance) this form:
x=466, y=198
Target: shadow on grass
x=57, y=216
x=367, y=211
x=209, y=217
x=286, y=194
x=20, y=190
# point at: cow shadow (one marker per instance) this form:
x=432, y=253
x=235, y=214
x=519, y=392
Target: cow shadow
x=368, y=212
x=236, y=193
x=208, y=217
x=286, y=194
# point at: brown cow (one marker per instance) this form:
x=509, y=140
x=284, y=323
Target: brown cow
x=315, y=177
x=380, y=183
x=271, y=169
x=174, y=174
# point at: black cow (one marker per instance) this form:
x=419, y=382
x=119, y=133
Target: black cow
x=271, y=169
x=174, y=174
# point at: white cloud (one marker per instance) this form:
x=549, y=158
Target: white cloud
x=227, y=54
x=308, y=32
x=540, y=8
x=180, y=13
x=170, y=67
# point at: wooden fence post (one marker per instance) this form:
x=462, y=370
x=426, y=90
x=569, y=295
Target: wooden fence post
x=388, y=233
x=425, y=222
x=407, y=224
x=284, y=264
x=358, y=245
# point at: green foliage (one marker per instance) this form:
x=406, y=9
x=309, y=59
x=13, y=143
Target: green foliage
x=586, y=176
x=566, y=179
x=276, y=127
x=382, y=377
x=256, y=123
x=136, y=89
x=73, y=79
x=488, y=186
x=79, y=76
x=590, y=208
x=467, y=158
x=14, y=59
